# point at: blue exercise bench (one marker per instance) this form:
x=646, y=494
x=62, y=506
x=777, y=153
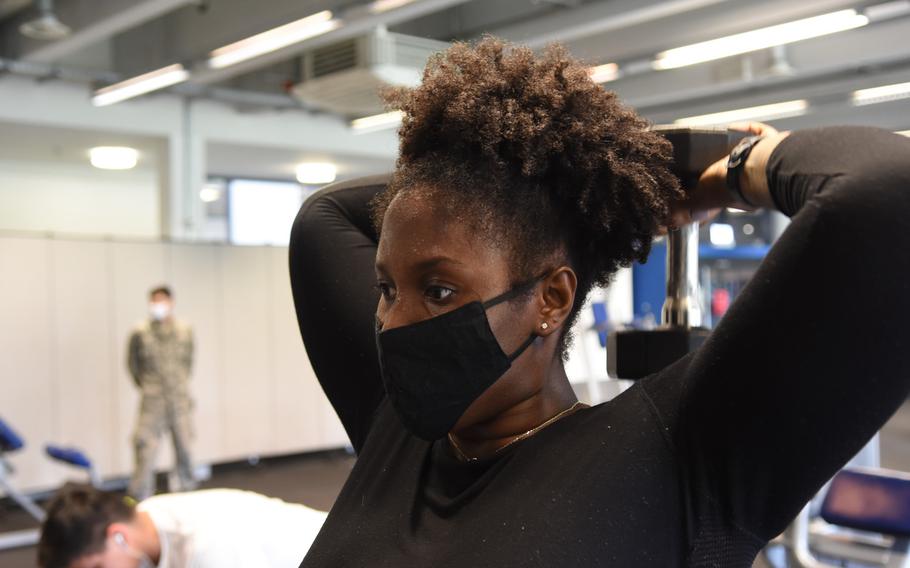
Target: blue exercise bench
x=11, y=441
x=74, y=457
x=874, y=501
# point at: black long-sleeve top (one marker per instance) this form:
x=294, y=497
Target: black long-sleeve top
x=698, y=465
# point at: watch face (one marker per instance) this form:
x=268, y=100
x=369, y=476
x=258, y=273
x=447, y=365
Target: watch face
x=736, y=156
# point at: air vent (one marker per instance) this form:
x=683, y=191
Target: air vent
x=334, y=58
x=346, y=77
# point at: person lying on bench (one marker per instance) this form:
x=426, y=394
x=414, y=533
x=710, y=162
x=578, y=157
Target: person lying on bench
x=90, y=528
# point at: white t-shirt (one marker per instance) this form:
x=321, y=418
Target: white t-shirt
x=225, y=528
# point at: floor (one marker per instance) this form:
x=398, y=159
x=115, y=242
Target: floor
x=316, y=479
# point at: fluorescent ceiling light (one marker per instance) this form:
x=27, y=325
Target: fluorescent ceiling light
x=763, y=112
x=377, y=122
x=273, y=40
x=151, y=81
x=722, y=235
x=114, y=157
x=881, y=94
x=316, y=173
x=380, y=6
x=604, y=73
x=904, y=133
x=760, y=39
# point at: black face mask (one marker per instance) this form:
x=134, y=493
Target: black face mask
x=434, y=369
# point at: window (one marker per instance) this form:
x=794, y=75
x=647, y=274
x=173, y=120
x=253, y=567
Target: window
x=262, y=212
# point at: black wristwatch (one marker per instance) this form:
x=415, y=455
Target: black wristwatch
x=735, y=166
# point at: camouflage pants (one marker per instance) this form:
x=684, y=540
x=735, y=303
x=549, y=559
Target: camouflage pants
x=158, y=416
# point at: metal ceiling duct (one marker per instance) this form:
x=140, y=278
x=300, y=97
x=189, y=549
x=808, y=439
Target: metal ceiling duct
x=46, y=27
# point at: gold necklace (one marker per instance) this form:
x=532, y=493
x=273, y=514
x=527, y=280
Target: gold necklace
x=528, y=434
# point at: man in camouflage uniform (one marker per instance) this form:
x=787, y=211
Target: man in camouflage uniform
x=160, y=357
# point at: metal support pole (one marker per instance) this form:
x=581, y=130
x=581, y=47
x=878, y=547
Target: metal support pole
x=681, y=308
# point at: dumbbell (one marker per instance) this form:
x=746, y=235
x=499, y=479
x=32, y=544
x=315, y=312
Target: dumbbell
x=634, y=354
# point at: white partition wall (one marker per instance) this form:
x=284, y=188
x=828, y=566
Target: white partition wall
x=69, y=307
x=29, y=365
x=195, y=276
x=248, y=393
x=298, y=404
x=84, y=351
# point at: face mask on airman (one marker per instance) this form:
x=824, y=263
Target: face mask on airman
x=159, y=310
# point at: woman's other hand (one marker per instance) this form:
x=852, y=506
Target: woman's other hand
x=710, y=196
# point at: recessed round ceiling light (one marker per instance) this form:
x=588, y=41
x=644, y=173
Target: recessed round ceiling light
x=316, y=173
x=210, y=193
x=114, y=157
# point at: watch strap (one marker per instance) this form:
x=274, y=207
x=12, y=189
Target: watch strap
x=735, y=165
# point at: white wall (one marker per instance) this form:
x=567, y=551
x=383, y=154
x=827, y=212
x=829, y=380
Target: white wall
x=65, y=198
x=68, y=309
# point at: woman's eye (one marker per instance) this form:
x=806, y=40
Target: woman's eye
x=439, y=293
x=385, y=290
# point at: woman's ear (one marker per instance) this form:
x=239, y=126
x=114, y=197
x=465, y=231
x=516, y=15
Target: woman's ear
x=557, y=299
x=117, y=533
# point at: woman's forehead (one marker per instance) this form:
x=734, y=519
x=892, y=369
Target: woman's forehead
x=419, y=232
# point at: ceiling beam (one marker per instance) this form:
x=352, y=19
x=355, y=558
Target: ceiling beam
x=103, y=28
x=834, y=79
x=594, y=19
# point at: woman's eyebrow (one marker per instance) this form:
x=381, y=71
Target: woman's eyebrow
x=424, y=264
x=435, y=261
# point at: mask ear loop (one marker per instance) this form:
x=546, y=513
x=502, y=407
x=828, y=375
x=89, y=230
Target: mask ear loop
x=514, y=292
x=510, y=295
x=521, y=349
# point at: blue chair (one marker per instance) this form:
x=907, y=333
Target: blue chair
x=601, y=321
x=74, y=457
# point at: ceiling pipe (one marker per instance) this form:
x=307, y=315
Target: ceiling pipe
x=234, y=97
x=47, y=72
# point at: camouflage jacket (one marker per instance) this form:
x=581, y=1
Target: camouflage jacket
x=160, y=357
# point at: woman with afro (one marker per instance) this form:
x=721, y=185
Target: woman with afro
x=436, y=305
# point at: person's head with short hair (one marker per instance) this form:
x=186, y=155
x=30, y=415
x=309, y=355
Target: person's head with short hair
x=161, y=303
x=160, y=292
x=89, y=528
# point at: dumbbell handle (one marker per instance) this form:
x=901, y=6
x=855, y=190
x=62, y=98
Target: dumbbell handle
x=681, y=309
